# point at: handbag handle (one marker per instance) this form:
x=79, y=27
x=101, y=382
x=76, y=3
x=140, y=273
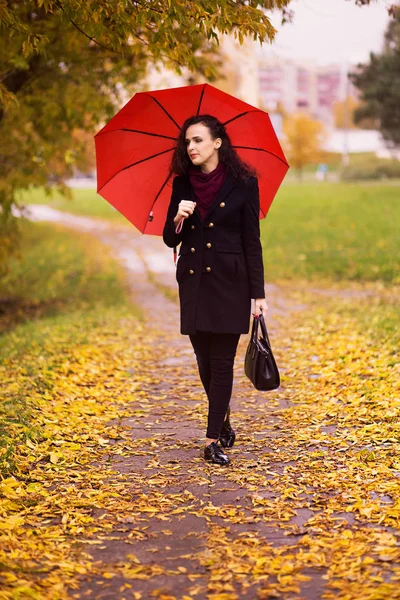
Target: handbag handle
x=253, y=336
x=254, y=329
x=259, y=319
x=264, y=329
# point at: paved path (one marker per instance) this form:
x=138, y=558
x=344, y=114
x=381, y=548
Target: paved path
x=190, y=529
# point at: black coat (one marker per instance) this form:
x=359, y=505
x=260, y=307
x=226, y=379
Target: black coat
x=220, y=266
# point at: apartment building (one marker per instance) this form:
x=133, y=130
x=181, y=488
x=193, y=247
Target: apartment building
x=303, y=86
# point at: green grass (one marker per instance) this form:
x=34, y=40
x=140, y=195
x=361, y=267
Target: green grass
x=58, y=270
x=333, y=160
x=64, y=289
x=313, y=231
x=380, y=317
x=333, y=232
x=373, y=309
x=83, y=202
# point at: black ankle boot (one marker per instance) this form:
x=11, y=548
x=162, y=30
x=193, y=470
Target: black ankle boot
x=227, y=436
x=215, y=454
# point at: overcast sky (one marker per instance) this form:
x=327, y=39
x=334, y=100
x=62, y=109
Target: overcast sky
x=330, y=31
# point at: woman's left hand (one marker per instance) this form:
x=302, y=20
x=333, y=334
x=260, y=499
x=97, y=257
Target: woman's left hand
x=260, y=305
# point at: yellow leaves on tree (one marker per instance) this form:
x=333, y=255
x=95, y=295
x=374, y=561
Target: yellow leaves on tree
x=304, y=138
x=343, y=112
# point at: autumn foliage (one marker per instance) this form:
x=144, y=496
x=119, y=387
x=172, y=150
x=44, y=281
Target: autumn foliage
x=66, y=66
x=303, y=141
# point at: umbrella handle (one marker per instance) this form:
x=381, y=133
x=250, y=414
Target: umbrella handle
x=178, y=228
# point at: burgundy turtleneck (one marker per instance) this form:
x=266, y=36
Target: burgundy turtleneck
x=206, y=186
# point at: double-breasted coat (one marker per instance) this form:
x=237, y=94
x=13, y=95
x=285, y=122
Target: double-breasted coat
x=220, y=266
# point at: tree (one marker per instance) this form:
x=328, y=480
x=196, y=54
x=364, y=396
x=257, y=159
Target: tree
x=379, y=83
x=63, y=65
x=343, y=113
x=304, y=138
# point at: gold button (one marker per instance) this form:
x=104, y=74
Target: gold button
x=222, y=204
x=208, y=269
x=192, y=249
x=192, y=226
x=191, y=272
x=208, y=245
x=211, y=224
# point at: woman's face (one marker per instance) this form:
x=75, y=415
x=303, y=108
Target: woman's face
x=201, y=147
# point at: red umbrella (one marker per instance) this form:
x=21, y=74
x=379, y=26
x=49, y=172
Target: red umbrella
x=134, y=149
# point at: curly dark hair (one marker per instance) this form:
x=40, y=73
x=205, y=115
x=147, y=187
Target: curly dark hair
x=181, y=162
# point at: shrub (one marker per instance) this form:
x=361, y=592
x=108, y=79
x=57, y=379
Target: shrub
x=371, y=168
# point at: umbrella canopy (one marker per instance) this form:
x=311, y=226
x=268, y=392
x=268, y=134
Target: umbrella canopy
x=134, y=149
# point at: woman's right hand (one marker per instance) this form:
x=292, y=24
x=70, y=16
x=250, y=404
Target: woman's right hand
x=185, y=209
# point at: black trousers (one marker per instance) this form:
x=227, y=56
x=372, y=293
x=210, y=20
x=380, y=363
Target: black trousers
x=215, y=355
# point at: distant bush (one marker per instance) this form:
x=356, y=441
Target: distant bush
x=370, y=168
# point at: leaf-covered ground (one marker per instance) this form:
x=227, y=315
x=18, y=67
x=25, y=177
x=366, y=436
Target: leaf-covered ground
x=111, y=497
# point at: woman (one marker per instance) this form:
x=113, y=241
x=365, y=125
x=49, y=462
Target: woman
x=220, y=267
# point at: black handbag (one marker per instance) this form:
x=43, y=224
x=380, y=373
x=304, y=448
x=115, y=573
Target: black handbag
x=259, y=363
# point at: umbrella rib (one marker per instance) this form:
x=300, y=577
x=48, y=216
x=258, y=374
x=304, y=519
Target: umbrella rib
x=262, y=150
x=159, y=192
x=147, y=158
x=166, y=112
x=167, y=137
x=201, y=100
x=134, y=165
x=241, y=115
